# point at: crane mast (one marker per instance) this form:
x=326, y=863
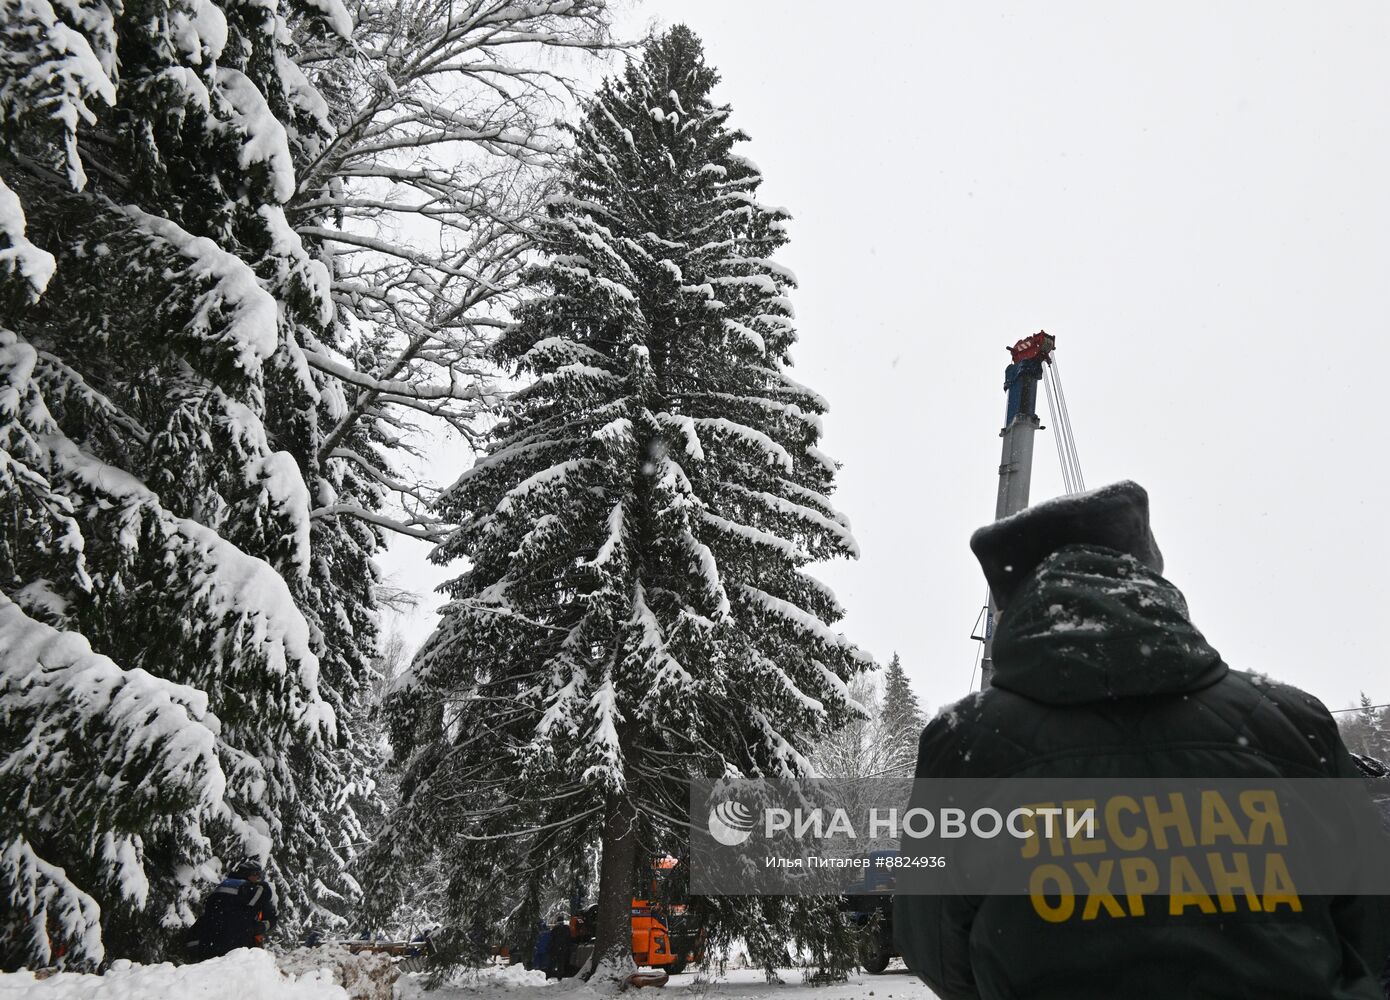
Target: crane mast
x=1021, y=423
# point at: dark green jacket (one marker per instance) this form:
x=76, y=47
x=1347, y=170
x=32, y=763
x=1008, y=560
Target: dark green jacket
x=1100, y=673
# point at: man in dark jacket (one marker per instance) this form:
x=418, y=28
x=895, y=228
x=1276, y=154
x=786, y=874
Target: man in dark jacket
x=560, y=950
x=1099, y=673
x=239, y=913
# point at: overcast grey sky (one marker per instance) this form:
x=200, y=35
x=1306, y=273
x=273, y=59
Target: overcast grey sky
x=1194, y=198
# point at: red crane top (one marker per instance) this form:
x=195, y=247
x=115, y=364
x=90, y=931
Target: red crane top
x=1040, y=345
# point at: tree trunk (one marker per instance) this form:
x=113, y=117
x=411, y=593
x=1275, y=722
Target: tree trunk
x=613, y=938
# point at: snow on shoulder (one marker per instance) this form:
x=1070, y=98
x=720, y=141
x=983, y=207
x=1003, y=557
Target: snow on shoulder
x=245, y=974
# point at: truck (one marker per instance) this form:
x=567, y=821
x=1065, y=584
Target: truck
x=869, y=906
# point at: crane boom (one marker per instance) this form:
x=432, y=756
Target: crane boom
x=1021, y=422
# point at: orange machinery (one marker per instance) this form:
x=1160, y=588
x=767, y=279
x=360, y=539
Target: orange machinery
x=660, y=937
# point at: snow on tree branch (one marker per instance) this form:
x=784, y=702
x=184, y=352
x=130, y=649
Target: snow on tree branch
x=73, y=716
x=31, y=264
x=52, y=73
x=252, y=331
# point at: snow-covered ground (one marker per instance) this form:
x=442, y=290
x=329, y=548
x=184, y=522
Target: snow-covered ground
x=738, y=984
x=254, y=975
x=245, y=974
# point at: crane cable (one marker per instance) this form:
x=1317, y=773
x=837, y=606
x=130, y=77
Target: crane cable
x=1068, y=436
x=1066, y=420
x=1067, y=485
x=1072, y=479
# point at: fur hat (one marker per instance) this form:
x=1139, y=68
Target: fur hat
x=1112, y=517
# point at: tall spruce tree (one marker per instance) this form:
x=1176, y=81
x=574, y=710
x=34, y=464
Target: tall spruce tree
x=903, y=719
x=636, y=611
x=183, y=644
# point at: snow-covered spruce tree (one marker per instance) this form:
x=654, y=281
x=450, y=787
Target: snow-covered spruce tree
x=881, y=744
x=179, y=635
x=1367, y=730
x=903, y=720
x=637, y=610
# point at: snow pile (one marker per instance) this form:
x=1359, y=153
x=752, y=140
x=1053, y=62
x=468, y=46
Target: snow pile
x=489, y=981
x=245, y=974
x=363, y=976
